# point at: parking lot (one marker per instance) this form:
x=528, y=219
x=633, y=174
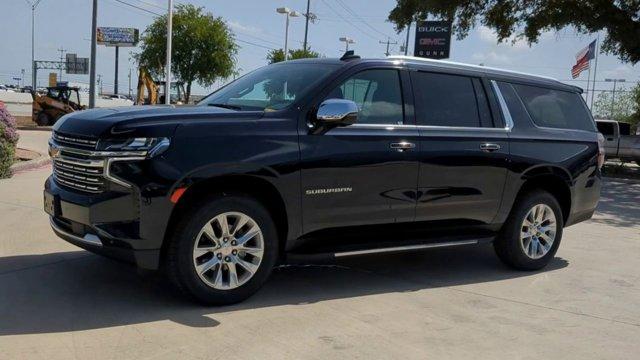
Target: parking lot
x=57, y=301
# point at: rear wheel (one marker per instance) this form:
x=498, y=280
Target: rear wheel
x=531, y=236
x=43, y=119
x=223, y=250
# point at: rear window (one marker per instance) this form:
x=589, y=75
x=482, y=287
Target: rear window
x=625, y=128
x=555, y=108
x=606, y=128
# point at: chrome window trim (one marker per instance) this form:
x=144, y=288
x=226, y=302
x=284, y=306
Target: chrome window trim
x=427, y=127
x=503, y=106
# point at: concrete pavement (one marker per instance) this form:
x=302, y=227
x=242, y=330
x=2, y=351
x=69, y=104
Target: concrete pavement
x=59, y=302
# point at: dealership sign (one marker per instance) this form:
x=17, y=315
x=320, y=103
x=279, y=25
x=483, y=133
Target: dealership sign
x=114, y=36
x=433, y=39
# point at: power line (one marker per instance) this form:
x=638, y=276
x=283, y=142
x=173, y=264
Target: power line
x=357, y=16
x=347, y=20
x=137, y=7
x=254, y=44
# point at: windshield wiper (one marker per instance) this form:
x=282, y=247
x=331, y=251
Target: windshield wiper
x=226, y=106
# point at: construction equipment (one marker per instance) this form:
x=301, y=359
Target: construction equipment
x=154, y=88
x=58, y=101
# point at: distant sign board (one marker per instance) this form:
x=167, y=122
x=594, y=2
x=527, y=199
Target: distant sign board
x=77, y=65
x=433, y=39
x=114, y=36
x=53, y=79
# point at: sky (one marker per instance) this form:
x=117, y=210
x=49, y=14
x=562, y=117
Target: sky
x=66, y=24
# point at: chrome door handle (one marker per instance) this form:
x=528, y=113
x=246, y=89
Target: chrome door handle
x=489, y=147
x=402, y=146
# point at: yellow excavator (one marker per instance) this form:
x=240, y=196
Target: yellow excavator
x=58, y=101
x=153, y=87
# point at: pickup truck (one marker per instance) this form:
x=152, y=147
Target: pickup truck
x=327, y=158
x=619, y=143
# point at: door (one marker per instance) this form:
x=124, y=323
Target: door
x=365, y=173
x=463, y=151
x=611, y=133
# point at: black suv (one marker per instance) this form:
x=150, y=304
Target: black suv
x=324, y=158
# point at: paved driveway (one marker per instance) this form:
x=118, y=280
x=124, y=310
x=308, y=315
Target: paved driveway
x=57, y=301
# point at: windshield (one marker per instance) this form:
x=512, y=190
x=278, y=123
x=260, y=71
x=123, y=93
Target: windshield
x=271, y=87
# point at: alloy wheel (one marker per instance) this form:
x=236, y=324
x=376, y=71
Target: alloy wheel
x=538, y=231
x=228, y=250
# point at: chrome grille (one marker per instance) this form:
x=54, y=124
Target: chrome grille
x=83, y=142
x=80, y=175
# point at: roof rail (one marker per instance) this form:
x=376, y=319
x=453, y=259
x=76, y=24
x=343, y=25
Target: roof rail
x=471, y=66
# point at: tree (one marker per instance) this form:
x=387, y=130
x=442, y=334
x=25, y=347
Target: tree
x=626, y=106
x=526, y=19
x=277, y=55
x=203, y=47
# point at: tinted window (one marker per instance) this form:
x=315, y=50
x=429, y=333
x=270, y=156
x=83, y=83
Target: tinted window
x=606, y=128
x=625, y=128
x=377, y=94
x=447, y=100
x=555, y=108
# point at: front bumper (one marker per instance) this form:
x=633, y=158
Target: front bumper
x=121, y=225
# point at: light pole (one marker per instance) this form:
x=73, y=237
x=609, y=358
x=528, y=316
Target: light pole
x=347, y=41
x=92, y=67
x=613, y=95
x=33, y=32
x=167, y=84
x=288, y=13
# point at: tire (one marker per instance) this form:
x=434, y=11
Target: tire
x=525, y=254
x=216, y=286
x=43, y=119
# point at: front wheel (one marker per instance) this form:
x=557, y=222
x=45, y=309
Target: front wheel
x=531, y=236
x=223, y=250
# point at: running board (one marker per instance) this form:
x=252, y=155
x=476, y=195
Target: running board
x=405, y=248
x=305, y=257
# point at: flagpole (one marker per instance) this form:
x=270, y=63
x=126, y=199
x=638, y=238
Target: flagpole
x=588, y=83
x=595, y=71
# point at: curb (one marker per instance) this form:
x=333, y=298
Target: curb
x=35, y=128
x=40, y=161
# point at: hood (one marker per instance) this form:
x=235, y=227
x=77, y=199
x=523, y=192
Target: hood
x=106, y=122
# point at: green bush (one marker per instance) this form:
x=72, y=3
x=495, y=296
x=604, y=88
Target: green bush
x=8, y=141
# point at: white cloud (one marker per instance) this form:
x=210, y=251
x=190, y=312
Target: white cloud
x=234, y=25
x=490, y=58
x=488, y=35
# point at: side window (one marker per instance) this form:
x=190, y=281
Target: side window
x=377, y=94
x=606, y=128
x=450, y=100
x=555, y=108
x=625, y=128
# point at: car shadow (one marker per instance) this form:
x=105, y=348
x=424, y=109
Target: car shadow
x=77, y=290
x=618, y=205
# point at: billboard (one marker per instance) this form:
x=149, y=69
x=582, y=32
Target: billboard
x=76, y=65
x=433, y=39
x=114, y=36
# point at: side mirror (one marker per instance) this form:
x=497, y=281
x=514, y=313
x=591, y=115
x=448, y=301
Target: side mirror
x=337, y=112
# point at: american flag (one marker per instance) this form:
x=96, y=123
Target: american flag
x=582, y=59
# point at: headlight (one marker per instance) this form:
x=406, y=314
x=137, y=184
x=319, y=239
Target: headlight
x=152, y=146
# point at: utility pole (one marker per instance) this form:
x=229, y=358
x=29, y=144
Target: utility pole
x=115, y=81
x=167, y=84
x=33, y=53
x=307, y=15
x=129, y=82
x=406, y=43
x=62, y=51
x=92, y=67
x=613, y=95
x=388, y=42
